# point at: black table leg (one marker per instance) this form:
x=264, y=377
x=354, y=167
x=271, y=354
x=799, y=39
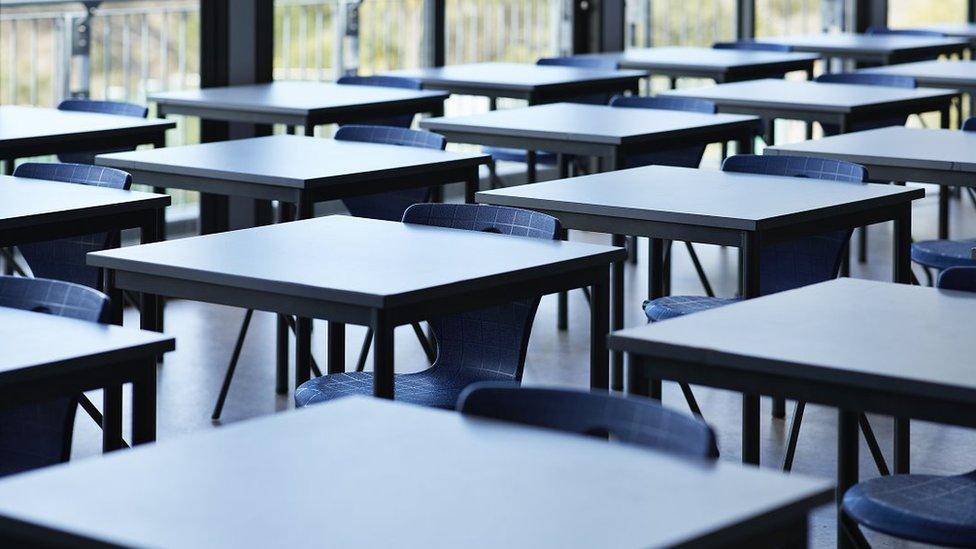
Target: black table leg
x=847, y=465
x=336, y=347
x=617, y=314
x=112, y=417
x=599, y=328
x=562, y=304
x=303, y=350
x=152, y=306
x=903, y=453
x=750, y=429
x=383, y=385
x=286, y=212
x=636, y=376
x=749, y=282
x=530, y=168
x=471, y=185
x=144, y=404
x=655, y=268
x=943, y=212
x=902, y=243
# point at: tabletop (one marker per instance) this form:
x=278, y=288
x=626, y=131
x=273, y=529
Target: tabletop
x=506, y=76
x=25, y=201
x=965, y=30
x=875, y=335
x=896, y=146
x=357, y=261
x=843, y=42
x=805, y=95
x=709, y=198
x=31, y=349
x=291, y=97
x=254, y=484
x=19, y=124
x=289, y=160
x=586, y=123
x=930, y=73
x=680, y=57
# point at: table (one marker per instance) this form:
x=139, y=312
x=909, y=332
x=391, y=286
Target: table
x=296, y=103
x=242, y=485
x=884, y=49
x=712, y=207
x=33, y=131
x=902, y=154
x=36, y=210
x=840, y=104
x=610, y=133
x=958, y=30
x=533, y=83
x=717, y=64
x=333, y=268
x=958, y=75
x=46, y=356
x=856, y=345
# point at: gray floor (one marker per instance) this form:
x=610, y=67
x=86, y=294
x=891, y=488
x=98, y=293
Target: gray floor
x=190, y=378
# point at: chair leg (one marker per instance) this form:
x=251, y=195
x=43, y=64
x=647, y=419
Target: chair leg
x=427, y=344
x=698, y=269
x=691, y=400
x=928, y=276
x=93, y=413
x=232, y=365
x=873, y=445
x=794, y=436
x=972, y=195
x=364, y=351
x=853, y=531
x=10, y=265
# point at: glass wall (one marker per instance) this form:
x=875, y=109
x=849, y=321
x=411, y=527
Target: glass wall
x=907, y=13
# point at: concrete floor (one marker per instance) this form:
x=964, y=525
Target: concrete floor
x=190, y=378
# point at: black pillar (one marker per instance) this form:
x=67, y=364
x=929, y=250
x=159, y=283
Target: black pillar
x=870, y=13
x=598, y=25
x=435, y=36
x=971, y=11
x=745, y=19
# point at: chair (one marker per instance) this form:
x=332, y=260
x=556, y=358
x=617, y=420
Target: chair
x=399, y=121
x=388, y=206
x=103, y=107
x=939, y=255
x=932, y=509
x=750, y=45
x=866, y=79
x=483, y=345
x=39, y=434
x=905, y=32
x=636, y=421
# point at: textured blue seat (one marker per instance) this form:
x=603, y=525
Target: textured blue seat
x=483, y=345
x=905, y=32
x=636, y=421
x=750, y=45
x=39, y=434
x=64, y=259
x=934, y=509
x=680, y=305
x=103, y=107
x=865, y=79
x=401, y=120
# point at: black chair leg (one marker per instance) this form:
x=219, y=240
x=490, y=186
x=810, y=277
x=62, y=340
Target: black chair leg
x=928, y=276
x=852, y=531
x=794, y=436
x=972, y=195
x=873, y=445
x=424, y=342
x=232, y=365
x=93, y=413
x=691, y=400
x=364, y=350
x=701, y=271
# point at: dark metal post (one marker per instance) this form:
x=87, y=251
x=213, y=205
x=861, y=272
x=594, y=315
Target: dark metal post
x=745, y=19
x=435, y=35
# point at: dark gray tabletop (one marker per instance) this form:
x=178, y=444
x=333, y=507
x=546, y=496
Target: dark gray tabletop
x=857, y=45
x=587, y=123
x=896, y=146
x=356, y=261
x=683, y=58
x=40, y=345
x=872, y=335
x=707, y=198
x=25, y=202
x=290, y=161
x=413, y=476
x=960, y=74
x=792, y=95
x=521, y=77
x=962, y=30
x=51, y=131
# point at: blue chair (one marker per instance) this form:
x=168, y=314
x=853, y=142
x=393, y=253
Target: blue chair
x=905, y=32
x=939, y=255
x=866, y=79
x=483, y=345
x=753, y=46
x=103, y=107
x=931, y=509
x=638, y=421
x=39, y=434
x=389, y=206
x=401, y=120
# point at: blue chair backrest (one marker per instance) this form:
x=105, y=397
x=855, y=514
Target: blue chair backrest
x=807, y=260
x=103, y=107
x=686, y=157
x=64, y=259
x=969, y=125
x=583, y=63
x=750, y=45
x=487, y=344
x=958, y=278
x=400, y=120
x=631, y=420
x=905, y=32
x=867, y=79
x=389, y=205
x=38, y=434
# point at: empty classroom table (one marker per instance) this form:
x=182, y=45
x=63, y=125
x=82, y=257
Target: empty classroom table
x=610, y=133
x=883, y=49
x=253, y=484
x=294, y=103
x=712, y=207
x=533, y=83
x=719, y=65
x=856, y=345
x=956, y=75
x=958, y=30
x=372, y=273
x=902, y=154
x=33, y=131
x=46, y=356
x=842, y=105
x=36, y=210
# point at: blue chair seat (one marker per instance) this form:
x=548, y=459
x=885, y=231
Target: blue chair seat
x=674, y=306
x=518, y=155
x=437, y=387
x=933, y=509
x=942, y=254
